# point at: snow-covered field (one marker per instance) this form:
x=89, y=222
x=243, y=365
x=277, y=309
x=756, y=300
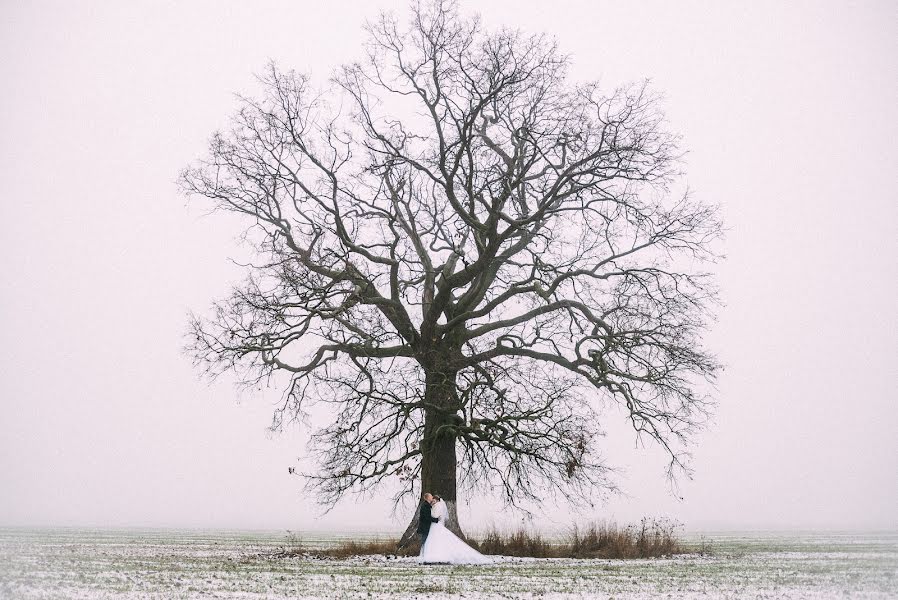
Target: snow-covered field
x=79, y=563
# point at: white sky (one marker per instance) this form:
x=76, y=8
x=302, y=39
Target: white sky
x=789, y=113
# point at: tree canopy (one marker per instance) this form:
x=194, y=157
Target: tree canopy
x=463, y=251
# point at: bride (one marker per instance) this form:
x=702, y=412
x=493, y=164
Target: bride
x=443, y=546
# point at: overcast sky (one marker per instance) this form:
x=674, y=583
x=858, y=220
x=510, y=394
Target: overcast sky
x=789, y=112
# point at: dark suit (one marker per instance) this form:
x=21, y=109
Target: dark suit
x=424, y=521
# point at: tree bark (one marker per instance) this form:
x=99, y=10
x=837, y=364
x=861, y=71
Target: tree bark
x=438, y=457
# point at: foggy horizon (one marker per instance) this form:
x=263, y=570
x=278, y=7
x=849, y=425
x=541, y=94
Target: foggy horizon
x=787, y=113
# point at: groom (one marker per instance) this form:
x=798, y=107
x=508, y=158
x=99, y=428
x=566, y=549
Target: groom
x=424, y=518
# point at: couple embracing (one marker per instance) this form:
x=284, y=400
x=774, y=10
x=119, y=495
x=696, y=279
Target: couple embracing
x=438, y=544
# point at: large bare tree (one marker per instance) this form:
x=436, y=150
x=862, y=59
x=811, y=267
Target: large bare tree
x=468, y=256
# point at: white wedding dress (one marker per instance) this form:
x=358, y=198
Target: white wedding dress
x=443, y=546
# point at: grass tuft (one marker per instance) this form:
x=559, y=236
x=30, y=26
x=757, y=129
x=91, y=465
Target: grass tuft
x=649, y=538
x=520, y=542
x=386, y=547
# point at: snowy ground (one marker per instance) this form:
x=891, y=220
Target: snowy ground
x=78, y=563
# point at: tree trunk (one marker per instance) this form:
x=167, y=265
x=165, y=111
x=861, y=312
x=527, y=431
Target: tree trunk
x=438, y=458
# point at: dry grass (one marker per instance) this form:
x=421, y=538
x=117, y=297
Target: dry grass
x=368, y=547
x=516, y=543
x=647, y=539
x=347, y=548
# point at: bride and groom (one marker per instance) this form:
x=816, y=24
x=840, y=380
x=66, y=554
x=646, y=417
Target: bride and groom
x=438, y=544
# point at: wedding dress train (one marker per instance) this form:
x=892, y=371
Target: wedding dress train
x=443, y=546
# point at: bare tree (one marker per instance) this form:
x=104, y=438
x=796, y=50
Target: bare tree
x=468, y=257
